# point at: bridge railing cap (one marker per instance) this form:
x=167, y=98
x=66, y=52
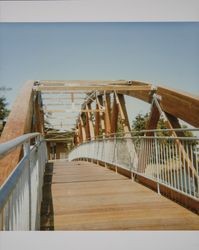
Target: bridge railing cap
x=8, y=146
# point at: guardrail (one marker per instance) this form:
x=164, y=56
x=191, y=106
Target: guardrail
x=21, y=193
x=170, y=161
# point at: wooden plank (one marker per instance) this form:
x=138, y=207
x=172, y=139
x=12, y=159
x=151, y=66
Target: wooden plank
x=89, y=197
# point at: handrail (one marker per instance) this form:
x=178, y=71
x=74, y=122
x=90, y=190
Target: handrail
x=144, y=137
x=9, y=185
x=172, y=162
x=143, y=131
x=7, y=147
x=116, y=135
x=26, y=179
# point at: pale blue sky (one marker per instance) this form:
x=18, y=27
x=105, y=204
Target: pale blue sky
x=161, y=53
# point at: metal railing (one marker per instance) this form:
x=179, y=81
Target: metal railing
x=21, y=193
x=170, y=161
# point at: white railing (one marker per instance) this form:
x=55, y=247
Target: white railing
x=21, y=193
x=169, y=161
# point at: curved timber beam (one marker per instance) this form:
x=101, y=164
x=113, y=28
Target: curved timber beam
x=177, y=103
x=184, y=106
x=20, y=121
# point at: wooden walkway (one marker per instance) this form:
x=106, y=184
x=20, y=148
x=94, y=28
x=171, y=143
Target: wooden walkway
x=90, y=197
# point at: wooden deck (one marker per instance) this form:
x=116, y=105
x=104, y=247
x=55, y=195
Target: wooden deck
x=90, y=197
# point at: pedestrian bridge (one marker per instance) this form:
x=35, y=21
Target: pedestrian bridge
x=70, y=161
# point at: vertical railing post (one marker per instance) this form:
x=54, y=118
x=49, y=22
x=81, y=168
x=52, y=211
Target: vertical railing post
x=26, y=149
x=156, y=159
x=41, y=156
x=97, y=154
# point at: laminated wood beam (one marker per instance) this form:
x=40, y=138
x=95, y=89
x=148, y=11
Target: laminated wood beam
x=114, y=116
x=86, y=82
x=176, y=103
x=79, y=132
x=153, y=119
x=87, y=128
x=97, y=121
x=102, y=114
x=76, y=139
x=82, y=127
x=88, y=136
x=86, y=88
x=179, y=104
x=107, y=114
x=19, y=122
x=90, y=122
x=145, y=152
x=77, y=136
x=171, y=121
x=123, y=112
x=70, y=111
x=38, y=116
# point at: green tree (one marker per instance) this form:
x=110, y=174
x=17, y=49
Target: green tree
x=3, y=110
x=140, y=123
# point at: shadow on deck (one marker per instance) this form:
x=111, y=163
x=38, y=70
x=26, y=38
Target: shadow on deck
x=47, y=213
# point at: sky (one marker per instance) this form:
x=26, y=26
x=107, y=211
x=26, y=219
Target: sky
x=161, y=53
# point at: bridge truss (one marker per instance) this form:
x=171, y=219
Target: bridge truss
x=82, y=113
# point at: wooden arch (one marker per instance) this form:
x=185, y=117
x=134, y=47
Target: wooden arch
x=174, y=105
x=27, y=116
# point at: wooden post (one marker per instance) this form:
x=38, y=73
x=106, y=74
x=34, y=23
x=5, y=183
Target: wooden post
x=87, y=125
x=77, y=139
x=153, y=119
x=107, y=114
x=38, y=125
x=173, y=121
x=90, y=122
x=114, y=115
x=145, y=151
x=80, y=132
x=82, y=129
x=102, y=122
x=123, y=112
x=97, y=121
